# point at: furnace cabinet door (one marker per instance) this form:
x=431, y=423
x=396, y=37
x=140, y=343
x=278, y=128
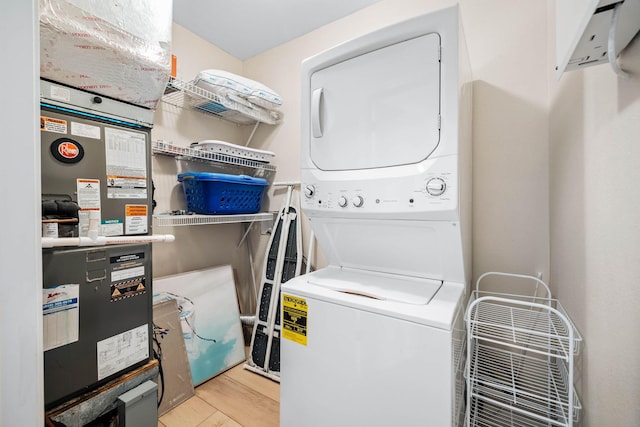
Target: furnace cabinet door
x=377, y=109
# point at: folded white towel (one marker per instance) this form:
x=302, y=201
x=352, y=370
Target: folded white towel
x=225, y=83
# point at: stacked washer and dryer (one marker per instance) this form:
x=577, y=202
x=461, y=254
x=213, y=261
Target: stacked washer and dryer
x=377, y=336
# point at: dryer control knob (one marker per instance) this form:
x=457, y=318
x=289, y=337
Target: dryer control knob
x=342, y=201
x=309, y=190
x=357, y=201
x=436, y=186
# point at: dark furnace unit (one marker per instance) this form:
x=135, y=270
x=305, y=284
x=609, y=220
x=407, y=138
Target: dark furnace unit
x=96, y=175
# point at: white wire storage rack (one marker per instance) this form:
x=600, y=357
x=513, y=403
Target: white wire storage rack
x=234, y=109
x=194, y=154
x=521, y=353
x=260, y=169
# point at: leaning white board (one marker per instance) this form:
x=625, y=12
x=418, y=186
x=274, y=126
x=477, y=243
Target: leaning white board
x=209, y=318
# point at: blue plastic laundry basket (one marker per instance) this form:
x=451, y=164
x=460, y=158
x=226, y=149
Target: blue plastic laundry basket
x=218, y=193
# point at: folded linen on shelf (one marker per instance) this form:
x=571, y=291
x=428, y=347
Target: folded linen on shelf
x=227, y=84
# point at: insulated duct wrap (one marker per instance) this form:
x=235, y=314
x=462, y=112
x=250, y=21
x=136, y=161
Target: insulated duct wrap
x=120, y=49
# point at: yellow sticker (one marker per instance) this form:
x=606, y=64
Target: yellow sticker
x=294, y=319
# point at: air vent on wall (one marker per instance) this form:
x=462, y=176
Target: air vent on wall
x=591, y=32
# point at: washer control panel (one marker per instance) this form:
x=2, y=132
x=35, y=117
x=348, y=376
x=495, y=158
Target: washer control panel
x=411, y=196
x=308, y=190
x=428, y=190
x=436, y=186
x=357, y=201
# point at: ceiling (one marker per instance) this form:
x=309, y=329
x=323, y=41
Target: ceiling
x=245, y=28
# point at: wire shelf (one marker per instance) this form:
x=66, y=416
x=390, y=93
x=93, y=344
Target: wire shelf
x=486, y=414
x=526, y=326
x=459, y=357
x=535, y=387
x=169, y=149
x=187, y=95
x=168, y=220
x=520, y=359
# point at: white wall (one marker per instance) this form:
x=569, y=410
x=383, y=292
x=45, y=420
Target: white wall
x=21, y=371
x=594, y=160
x=507, y=46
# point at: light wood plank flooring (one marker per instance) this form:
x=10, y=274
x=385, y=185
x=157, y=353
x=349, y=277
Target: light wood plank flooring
x=235, y=398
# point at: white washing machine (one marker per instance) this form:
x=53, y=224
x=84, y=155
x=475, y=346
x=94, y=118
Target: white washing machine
x=376, y=337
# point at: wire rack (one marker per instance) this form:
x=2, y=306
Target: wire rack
x=520, y=359
x=168, y=220
x=258, y=169
x=187, y=95
x=179, y=152
x=459, y=357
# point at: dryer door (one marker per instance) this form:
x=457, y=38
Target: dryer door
x=377, y=109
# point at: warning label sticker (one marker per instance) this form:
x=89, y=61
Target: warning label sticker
x=128, y=289
x=49, y=124
x=136, y=219
x=294, y=319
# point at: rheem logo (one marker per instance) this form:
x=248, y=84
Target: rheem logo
x=67, y=150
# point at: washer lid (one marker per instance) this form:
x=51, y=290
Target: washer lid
x=427, y=302
x=377, y=286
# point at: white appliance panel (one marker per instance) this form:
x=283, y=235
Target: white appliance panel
x=380, y=286
x=427, y=249
x=363, y=368
x=406, y=192
x=444, y=298
x=378, y=109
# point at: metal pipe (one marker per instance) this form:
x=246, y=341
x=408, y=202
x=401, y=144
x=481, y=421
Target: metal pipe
x=50, y=242
x=255, y=128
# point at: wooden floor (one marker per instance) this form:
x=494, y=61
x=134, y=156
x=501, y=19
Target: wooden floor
x=237, y=397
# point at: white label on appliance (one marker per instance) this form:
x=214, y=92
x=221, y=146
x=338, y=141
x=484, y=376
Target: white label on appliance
x=49, y=229
x=88, y=131
x=60, y=93
x=112, y=227
x=127, y=273
x=83, y=223
x=136, y=219
x=126, y=157
x=126, y=192
x=61, y=315
x=88, y=193
x=89, y=200
x=123, y=350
